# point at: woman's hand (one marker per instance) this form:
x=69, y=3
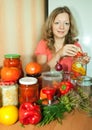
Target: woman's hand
x=86, y=58
x=69, y=50
x=72, y=50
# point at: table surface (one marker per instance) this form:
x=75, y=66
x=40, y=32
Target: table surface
x=73, y=121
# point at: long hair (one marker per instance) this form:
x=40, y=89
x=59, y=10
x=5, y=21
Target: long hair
x=47, y=33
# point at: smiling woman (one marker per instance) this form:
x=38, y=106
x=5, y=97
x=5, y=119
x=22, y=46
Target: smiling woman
x=81, y=12
x=59, y=41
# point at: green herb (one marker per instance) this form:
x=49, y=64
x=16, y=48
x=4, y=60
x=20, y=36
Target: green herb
x=74, y=99
x=52, y=112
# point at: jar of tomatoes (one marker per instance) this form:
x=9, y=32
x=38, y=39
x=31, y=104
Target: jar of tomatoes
x=39, y=78
x=8, y=93
x=13, y=60
x=28, y=90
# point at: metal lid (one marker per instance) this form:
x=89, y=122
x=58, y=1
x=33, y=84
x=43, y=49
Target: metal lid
x=7, y=82
x=28, y=81
x=12, y=56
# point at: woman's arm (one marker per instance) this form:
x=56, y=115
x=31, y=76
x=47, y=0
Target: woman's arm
x=42, y=60
x=67, y=50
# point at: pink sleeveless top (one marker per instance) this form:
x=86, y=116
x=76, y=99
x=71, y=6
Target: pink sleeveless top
x=66, y=62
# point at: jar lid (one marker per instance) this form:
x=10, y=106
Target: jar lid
x=12, y=56
x=7, y=82
x=34, y=75
x=28, y=81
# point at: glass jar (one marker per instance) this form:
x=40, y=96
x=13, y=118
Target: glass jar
x=79, y=66
x=51, y=78
x=8, y=93
x=28, y=90
x=69, y=76
x=38, y=76
x=13, y=60
x=85, y=82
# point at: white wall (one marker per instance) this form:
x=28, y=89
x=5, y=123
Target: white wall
x=82, y=12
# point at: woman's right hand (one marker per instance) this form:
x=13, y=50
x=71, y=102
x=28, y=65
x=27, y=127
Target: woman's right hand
x=69, y=50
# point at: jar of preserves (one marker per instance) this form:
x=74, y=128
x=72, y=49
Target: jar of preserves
x=8, y=93
x=38, y=76
x=28, y=90
x=85, y=82
x=79, y=66
x=13, y=60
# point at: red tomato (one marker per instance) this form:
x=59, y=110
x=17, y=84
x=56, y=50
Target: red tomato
x=10, y=73
x=33, y=68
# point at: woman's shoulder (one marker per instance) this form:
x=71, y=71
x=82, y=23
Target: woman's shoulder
x=42, y=42
x=41, y=46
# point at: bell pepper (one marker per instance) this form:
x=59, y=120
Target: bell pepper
x=65, y=87
x=29, y=113
x=79, y=54
x=78, y=68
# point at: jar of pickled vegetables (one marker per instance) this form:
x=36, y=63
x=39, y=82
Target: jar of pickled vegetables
x=13, y=60
x=85, y=82
x=79, y=66
x=28, y=90
x=8, y=93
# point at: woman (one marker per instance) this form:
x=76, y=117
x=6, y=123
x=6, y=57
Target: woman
x=59, y=43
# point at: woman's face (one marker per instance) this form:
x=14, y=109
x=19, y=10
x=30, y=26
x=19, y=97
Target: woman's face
x=61, y=25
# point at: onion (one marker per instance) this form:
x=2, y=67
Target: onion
x=58, y=67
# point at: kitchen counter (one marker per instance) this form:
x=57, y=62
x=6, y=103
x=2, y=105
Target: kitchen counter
x=73, y=121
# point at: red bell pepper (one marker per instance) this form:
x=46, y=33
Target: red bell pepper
x=65, y=87
x=29, y=113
